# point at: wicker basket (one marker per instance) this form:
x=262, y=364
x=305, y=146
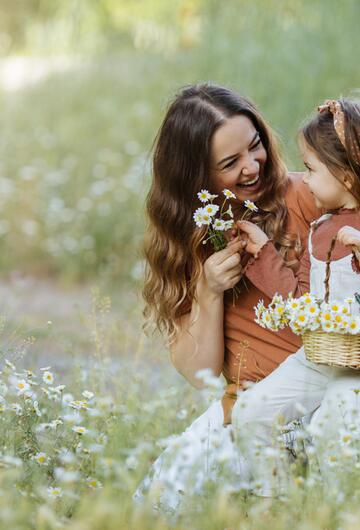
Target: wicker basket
x=334, y=349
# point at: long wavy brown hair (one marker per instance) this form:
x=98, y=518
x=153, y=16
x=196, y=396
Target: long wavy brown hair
x=181, y=167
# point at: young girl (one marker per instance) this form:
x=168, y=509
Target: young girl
x=330, y=146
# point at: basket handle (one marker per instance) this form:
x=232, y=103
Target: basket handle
x=327, y=275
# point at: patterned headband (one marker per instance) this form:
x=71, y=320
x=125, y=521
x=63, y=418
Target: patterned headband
x=334, y=106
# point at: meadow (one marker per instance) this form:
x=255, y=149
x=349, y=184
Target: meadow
x=87, y=401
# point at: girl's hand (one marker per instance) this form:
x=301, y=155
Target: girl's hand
x=349, y=236
x=222, y=270
x=256, y=238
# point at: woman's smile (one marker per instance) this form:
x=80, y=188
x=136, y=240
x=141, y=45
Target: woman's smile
x=249, y=184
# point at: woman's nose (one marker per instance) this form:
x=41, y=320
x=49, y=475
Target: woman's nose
x=250, y=167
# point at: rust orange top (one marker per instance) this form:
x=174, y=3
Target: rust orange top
x=252, y=352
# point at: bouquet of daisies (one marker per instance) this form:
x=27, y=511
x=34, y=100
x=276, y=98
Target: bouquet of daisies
x=218, y=219
x=308, y=313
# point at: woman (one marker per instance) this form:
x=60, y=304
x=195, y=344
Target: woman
x=213, y=138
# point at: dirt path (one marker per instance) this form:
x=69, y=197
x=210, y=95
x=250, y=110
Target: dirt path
x=56, y=325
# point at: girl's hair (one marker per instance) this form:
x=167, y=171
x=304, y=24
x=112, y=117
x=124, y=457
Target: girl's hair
x=181, y=165
x=320, y=135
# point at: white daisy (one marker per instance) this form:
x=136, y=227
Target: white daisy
x=79, y=429
x=335, y=307
x=205, y=219
x=21, y=385
x=251, y=206
x=301, y=319
x=48, y=377
x=312, y=310
x=94, y=483
x=279, y=310
x=210, y=209
x=307, y=299
x=266, y=318
x=354, y=326
x=219, y=224
x=41, y=459
x=345, y=309
x=328, y=326
x=346, y=437
x=292, y=305
x=345, y=323
x=338, y=319
x=54, y=493
x=326, y=317
x=229, y=194
x=198, y=217
x=204, y=196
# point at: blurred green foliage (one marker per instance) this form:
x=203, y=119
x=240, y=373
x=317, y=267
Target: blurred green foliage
x=93, y=25
x=75, y=146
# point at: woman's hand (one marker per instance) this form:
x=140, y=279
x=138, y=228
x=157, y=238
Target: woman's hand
x=256, y=238
x=349, y=236
x=222, y=270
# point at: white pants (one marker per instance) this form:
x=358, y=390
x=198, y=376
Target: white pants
x=295, y=388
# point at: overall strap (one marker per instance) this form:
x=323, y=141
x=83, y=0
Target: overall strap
x=313, y=227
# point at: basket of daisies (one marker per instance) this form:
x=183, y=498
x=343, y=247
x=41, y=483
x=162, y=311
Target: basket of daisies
x=330, y=331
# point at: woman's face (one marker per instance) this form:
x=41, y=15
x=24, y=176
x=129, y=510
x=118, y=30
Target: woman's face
x=237, y=158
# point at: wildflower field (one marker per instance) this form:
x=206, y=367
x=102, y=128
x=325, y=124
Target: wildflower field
x=83, y=414
x=87, y=401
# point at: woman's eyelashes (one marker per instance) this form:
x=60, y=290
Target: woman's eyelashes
x=255, y=146
x=232, y=162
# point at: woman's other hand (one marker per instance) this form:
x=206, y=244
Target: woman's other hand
x=222, y=270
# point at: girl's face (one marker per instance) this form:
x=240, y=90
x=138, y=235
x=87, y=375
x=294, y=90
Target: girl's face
x=328, y=191
x=237, y=158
